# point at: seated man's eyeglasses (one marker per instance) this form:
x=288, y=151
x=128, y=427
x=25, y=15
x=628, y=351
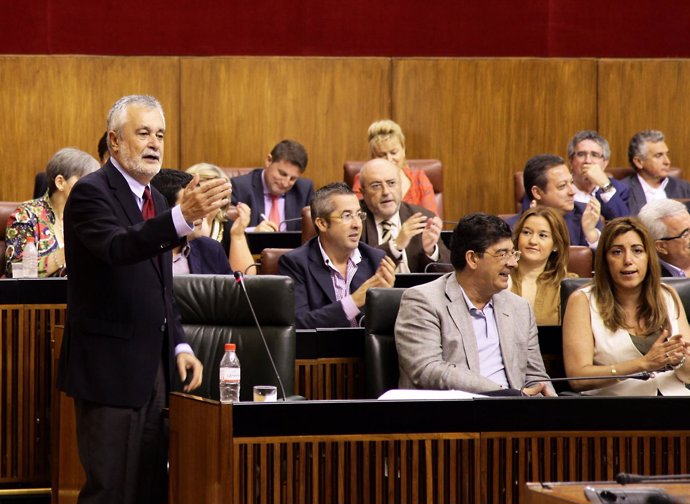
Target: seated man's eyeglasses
x=685, y=234
x=346, y=217
x=592, y=154
x=505, y=255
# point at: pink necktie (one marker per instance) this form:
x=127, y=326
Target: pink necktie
x=274, y=216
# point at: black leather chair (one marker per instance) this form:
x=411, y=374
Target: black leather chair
x=380, y=354
x=681, y=285
x=215, y=311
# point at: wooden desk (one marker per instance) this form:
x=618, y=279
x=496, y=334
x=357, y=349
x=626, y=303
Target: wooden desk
x=574, y=493
x=464, y=451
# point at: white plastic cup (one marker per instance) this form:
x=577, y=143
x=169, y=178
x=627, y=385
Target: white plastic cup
x=265, y=393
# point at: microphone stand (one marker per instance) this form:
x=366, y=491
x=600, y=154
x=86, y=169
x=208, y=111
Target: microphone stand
x=239, y=278
x=644, y=375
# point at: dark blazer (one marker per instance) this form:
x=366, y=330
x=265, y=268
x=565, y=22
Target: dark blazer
x=207, y=257
x=250, y=190
x=573, y=221
x=416, y=258
x=121, y=318
x=676, y=188
x=315, y=304
x=617, y=206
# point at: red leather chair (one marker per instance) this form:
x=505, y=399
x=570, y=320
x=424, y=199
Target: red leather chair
x=6, y=208
x=432, y=167
x=269, y=260
x=581, y=261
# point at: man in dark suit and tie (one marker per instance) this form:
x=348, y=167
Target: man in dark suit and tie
x=123, y=338
x=334, y=270
x=276, y=193
x=548, y=182
x=648, y=156
x=408, y=234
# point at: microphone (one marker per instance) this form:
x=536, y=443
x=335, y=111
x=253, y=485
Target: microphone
x=644, y=375
x=629, y=478
x=288, y=220
x=252, y=265
x=239, y=278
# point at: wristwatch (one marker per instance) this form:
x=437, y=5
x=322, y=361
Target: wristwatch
x=607, y=187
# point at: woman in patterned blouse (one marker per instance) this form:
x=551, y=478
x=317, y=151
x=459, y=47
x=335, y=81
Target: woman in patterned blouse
x=42, y=217
x=386, y=140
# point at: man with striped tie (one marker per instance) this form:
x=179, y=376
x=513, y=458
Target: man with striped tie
x=408, y=234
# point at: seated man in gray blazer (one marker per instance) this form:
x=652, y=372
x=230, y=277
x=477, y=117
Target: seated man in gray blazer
x=648, y=156
x=465, y=330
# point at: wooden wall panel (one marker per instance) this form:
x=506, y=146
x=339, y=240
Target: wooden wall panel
x=50, y=102
x=234, y=110
x=635, y=95
x=485, y=118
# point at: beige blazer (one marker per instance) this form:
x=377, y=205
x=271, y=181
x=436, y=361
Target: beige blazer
x=437, y=348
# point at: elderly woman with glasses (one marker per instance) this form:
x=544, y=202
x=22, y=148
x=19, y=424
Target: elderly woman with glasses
x=636, y=324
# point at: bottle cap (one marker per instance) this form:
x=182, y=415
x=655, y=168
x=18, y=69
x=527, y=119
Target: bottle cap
x=230, y=346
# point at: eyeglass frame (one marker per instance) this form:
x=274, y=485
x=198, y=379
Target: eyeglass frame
x=346, y=217
x=593, y=154
x=683, y=234
x=503, y=256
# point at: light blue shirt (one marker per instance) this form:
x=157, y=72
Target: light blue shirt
x=675, y=271
x=488, y=345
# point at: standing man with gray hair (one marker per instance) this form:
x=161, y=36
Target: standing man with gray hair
x=648, y=156
x=588, y=157
x=123, y=338
x=668, y=222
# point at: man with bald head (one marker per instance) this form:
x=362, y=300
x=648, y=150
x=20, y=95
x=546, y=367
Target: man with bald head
x=409, y=234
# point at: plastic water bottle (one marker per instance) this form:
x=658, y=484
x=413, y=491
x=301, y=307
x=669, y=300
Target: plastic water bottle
x=229, y=376
x=30, y=259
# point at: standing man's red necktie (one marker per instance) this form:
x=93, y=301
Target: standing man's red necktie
x=274, y=216
x=147, y=210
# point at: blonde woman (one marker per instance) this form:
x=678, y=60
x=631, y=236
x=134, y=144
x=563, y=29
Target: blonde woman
x=386, y=140
x=215, y=222
x=542, y=238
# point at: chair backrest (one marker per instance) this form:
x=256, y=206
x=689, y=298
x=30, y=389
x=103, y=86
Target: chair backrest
x=432, y=167
x=233, y=171
x=6, y=209
x=40, y=184
x=214, y=311
x=581, y=261
x=380, y=354
x=308, y=229
x=268, y=264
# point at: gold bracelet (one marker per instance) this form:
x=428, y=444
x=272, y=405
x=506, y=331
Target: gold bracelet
x=613, y=371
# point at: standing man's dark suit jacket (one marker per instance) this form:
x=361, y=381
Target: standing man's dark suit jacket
x=573, y=220
x=417, y=259
x=121, y=319
x=250, y=190
x=315, y=304
x=676, y=188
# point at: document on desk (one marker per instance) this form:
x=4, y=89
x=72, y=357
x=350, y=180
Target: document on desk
x=418, y=394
